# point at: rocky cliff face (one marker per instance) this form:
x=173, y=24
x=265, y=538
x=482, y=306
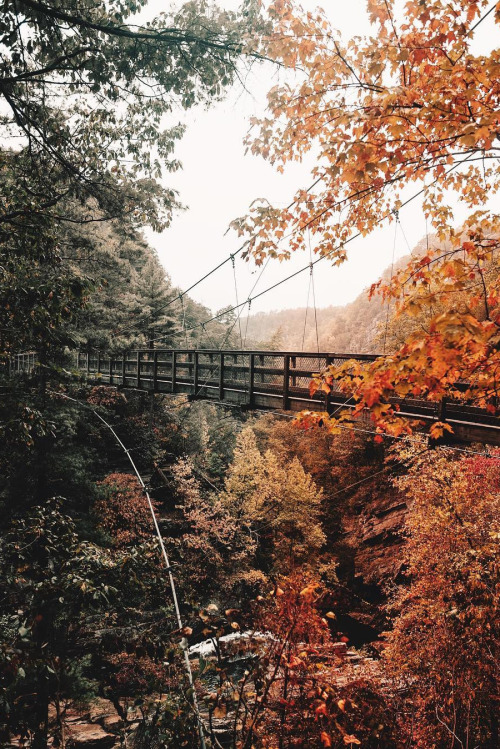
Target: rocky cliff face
x=370, y=563
x=379, y=541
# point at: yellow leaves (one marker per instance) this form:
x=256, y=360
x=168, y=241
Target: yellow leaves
x=438, y=429
x=378, y=11
x=325, y=739
x=309, y=591
x=350, y=739
x=220, y=711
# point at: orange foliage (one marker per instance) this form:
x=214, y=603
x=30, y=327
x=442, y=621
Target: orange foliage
x=306, y=696
x=411, y=103
x=123, y=510
x=446, y=642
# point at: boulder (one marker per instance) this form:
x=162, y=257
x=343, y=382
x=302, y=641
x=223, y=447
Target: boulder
x=90, y=736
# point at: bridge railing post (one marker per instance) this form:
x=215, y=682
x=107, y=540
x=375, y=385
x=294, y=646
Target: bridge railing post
x=98, y=364
x=155, y=371
x=174, y=365
x=286, y=382
x=195, y=374
x=251, y=388
x=221, y=377
x=111, y=361
x=442, y=409
x=138, y=370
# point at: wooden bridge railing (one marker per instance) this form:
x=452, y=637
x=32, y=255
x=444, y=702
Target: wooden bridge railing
x=252, y=378
x=257, y=379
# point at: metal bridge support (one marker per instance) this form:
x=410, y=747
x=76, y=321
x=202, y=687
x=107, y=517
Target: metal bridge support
x=251, y=385
x=286, y=382
x=221, y=378
x=174, y=364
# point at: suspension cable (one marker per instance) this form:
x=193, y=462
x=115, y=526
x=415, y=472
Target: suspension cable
x=246, y=324
x=236, y=294
x=396, y=215
x=228, y=333
x=307, y=305
x=164, y=554
x=313, y=292
x=216, y=268
x=358, y=234
x=184, y=321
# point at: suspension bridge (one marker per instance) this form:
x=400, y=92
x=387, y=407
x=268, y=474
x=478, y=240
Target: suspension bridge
x=261, y=380
x=258, y=380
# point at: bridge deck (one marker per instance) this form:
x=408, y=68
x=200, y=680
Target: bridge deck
x=259, y=379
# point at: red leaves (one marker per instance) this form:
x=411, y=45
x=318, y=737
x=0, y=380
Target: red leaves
x=321, y=710
x=123, y=510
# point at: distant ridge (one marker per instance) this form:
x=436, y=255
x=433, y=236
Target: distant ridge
x=355, y=327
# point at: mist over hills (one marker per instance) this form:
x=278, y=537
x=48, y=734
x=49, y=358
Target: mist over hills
x=357, y=327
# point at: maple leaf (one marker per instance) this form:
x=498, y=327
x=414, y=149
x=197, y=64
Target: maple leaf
x=351, y=739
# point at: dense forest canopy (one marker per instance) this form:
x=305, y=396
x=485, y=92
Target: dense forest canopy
x=178, y=573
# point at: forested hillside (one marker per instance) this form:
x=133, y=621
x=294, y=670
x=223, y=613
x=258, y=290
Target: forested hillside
x=358, y=327
x=179, y=572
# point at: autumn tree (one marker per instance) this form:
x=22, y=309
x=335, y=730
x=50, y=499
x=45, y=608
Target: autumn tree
x=422, y=109
x=123, y=511
x=300, y=699
x=88, y=130
x=279, y=502
x=71, y=608
x=218, y=547
x=445, y=641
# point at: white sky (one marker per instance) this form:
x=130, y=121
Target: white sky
x=218, y=182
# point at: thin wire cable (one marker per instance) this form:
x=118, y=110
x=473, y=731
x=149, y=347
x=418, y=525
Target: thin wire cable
x=334, y=249
x=164, y=554
x=246, y=324
x=313, y=293
x=396, y=213
x=307, y=307
x=473, y=28
x=404, y=236
x=184, y=322
x=236, y=294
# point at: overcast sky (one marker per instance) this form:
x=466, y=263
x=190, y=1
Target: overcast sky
x=218, y=182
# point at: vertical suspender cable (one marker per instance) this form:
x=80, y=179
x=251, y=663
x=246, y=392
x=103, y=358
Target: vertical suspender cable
x=307, y=306
x=237, y=300
x=184, y=320
x=246, y=325
x=396, y=214
x=166, y=560
x=313, y=293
